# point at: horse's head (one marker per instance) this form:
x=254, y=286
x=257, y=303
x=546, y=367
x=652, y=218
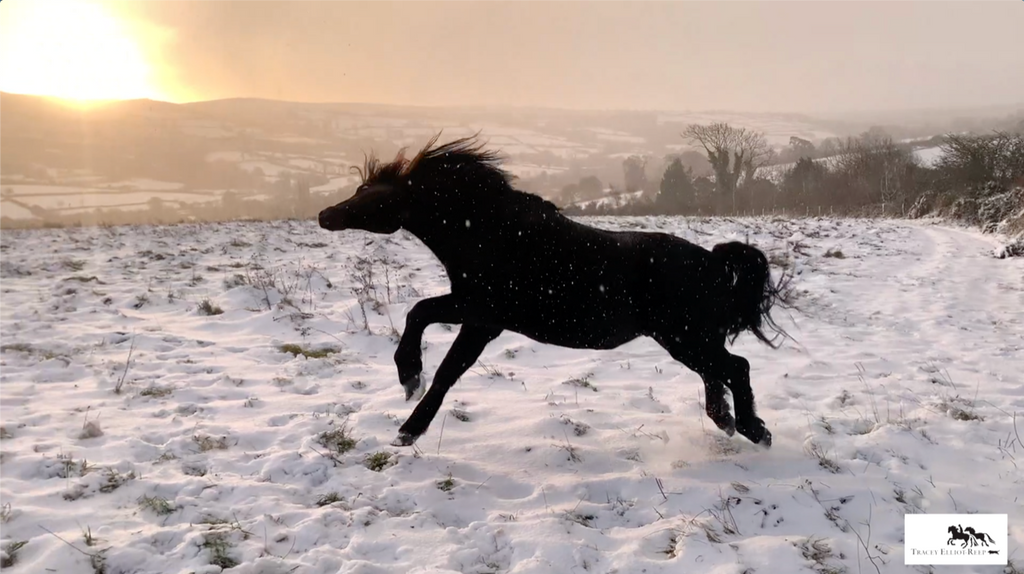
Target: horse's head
x=436, y=180
x=951, y=530
x=377, y=207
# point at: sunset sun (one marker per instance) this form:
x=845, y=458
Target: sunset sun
x=71, y=50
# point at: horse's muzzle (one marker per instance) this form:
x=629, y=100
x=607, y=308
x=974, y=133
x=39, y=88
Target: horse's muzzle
x=330, y=219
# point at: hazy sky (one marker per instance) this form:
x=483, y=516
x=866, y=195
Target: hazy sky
x=811, y=56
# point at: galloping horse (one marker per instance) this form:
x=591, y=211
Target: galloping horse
x=516, y=263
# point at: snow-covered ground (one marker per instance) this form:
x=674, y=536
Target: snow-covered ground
x=142, y=435
x=929, y=156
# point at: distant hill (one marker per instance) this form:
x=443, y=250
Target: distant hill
x=253, y=148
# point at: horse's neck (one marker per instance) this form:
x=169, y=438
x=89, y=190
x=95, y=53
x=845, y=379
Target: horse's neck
x=436, y=232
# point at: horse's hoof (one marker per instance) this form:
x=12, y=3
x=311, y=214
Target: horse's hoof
x=404, y=439
x=758, y=435
x=414, y=387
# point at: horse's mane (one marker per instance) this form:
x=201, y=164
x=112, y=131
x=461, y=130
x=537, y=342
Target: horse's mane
x=478, y=167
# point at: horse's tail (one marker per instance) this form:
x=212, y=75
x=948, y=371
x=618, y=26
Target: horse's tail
x=753, y=293
x=989, y=538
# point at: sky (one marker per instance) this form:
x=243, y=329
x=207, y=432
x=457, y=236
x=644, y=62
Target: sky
x=769, y=56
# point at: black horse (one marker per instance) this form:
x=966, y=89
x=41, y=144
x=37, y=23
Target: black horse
x=979, y=537
x=955, y=535
x=516, y=263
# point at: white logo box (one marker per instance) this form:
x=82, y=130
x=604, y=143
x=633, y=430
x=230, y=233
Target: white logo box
x=965, y=539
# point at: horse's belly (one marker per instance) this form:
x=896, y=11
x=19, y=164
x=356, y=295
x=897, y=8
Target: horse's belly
x=577, y=332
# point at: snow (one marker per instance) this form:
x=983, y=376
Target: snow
x=617, y=200
x=525, y=170
x=306, y=164
x=900, y=397
x=107, y=199
x=929, y=156
x=143, y=184
x=269, y=169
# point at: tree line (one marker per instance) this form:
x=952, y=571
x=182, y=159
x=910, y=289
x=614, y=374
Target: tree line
x=868, y=174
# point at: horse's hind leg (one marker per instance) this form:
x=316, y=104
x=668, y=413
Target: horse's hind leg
x=465, y=351
x=409, y=356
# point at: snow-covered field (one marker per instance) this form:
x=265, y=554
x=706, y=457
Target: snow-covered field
x=143, y=435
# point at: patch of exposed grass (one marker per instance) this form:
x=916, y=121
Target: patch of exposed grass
x=84, y=279
x=328, y=499
x=72, y=264
x=378, y=461
x=156, y=504
x=959, y=409
x=88, y=537
x=825, y=461
x=338, y=440
x=33, y=350
x=578, y=428
x=236, y=280
x=217, y=544
x=156, y=391
x=447, y=484
x=10, y=553
x=207, y=308
x=672, y=549
x=580, y=518
x=297, y=350
x=69, y=467
x=819, y=552
x=581, y=382
x=835, y=254
x=207, y=443
x=114, y=480
x=18, y=347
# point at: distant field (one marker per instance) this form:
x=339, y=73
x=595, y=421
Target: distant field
x=70, y=198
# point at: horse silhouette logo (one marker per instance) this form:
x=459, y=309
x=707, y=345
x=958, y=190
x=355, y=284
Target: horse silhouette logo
x=971, y=539
x=969, y=536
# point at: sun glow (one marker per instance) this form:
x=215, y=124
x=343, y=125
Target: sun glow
x=71, y=50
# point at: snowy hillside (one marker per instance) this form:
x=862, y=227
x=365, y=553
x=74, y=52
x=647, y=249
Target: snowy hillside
x=247, y=146
x=191, y=398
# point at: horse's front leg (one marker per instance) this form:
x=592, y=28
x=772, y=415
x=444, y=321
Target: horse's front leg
x=465, y=351
x=409, y=355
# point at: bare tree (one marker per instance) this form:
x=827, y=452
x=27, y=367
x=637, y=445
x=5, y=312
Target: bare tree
x=732, y=152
